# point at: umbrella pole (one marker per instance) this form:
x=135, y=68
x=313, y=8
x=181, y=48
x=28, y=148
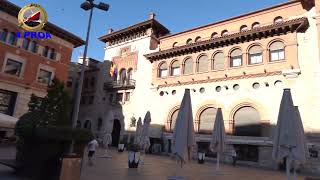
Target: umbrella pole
x=288, y=168
x=218, y=163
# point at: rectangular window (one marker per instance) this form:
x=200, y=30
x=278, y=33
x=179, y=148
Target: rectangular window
x=26, y=43
x=127, y=97
x=34, y=47
x=236, y=61
x=119, y=97
x=45, y=51
x=255, y=58
x=52, y=54
x=13, y=67
x=277, y=55
x=12, y=39
x=7, y=102
x=44, y=76
x=3, y=35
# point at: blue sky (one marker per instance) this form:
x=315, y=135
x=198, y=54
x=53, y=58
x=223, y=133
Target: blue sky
x=176, y=15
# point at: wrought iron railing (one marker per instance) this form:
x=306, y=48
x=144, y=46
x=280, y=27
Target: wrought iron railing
x=121, y=84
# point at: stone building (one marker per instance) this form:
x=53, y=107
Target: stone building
x=239, y=64
x=28, y=66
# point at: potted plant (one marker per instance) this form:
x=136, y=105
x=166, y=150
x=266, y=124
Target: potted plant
x=201, y=156
x=133, y=155
x=121, y=145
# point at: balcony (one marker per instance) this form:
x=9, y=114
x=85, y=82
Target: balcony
x=120, y=85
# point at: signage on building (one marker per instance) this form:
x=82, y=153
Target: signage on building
x=33, y=18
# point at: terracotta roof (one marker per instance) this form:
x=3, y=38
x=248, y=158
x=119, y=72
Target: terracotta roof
x=13, y=10
x=298, y=24
x=151, y=23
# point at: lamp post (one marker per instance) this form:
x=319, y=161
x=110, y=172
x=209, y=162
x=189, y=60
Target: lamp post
x=87, y=5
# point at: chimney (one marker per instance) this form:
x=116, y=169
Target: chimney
x=110, y=30
x=152, y=15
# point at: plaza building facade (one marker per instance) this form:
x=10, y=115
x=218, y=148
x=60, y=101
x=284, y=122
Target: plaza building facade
x=27, y=66
x=241, y=65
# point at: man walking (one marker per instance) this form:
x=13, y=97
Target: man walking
x=92, y=147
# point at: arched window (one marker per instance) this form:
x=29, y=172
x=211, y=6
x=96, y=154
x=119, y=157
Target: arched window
x=247, y=122
x=129, y=78
x=197, y=39
x=206, y=120
x=278, y=19
x=218, y=61
x=122, y=76
x=163, y=70
x=189, y=41
x=203, y=63
x=34, y=47
x=224, y=32
x=255, y=54
x=236, y=58
x=243, y=28
x=26, y=43
x=12, y=39
x=255, y=25
x=175, y=44
x=173, y=119
x=87, y=124
x=99, y=124
x=188, y=66
x=214, y=35
x=277, y=52
x=175, y=68
x=4, y=35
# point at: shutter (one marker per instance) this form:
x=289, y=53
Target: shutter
x=236, y=52
x=203, y=64
x=188, y=66
x=276, y=46
x=218, y=61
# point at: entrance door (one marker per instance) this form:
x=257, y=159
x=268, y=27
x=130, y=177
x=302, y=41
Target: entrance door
x=116, y=132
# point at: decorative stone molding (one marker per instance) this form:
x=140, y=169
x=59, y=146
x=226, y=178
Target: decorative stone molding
x=292, y=73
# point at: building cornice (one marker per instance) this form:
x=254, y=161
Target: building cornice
x=221, y=79
x=290, y=26
x=151, y=23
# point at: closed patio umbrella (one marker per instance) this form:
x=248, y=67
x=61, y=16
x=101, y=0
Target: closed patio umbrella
x=145, y=141
x=218, y=136
x=183, y=135
x=137, y=138
x=289, y=140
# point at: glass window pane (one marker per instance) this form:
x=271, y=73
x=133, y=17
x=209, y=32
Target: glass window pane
x=276, y=46
x=44, y=76
x=274, y=56
x=12, y=39
x=218, y=61
x=26, y=43
x=207, y=118
x=13, y=67
x=175, y=71
x=255, y=58
x=188, y=66
x=163, y=72
x=203, y=64
x=34, y=47
x=281, y=54
x=7, y=102
x=4, y=35
x=236, y=61
x=45, y=51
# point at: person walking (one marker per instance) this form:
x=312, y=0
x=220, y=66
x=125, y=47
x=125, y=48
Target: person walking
x=92, y=147
x=234, y=156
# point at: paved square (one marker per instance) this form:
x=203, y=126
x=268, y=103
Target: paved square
x=160, y=167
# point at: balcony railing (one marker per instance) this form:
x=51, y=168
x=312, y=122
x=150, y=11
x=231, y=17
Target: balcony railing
x=120, y=84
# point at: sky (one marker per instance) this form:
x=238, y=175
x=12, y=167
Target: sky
x=176, y=15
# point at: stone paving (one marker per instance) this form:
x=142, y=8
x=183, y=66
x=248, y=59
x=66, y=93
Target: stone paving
x=160, y=167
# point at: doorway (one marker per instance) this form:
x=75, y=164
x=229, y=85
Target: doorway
x=116, y=132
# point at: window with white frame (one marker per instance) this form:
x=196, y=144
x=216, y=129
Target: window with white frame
x=163, y=70
x=3, y=35
x=175, y=68
x=277, y=52
x=255, y=54
x=13, y=67
x=12, y=39
x=44, y=76
x=236, y=58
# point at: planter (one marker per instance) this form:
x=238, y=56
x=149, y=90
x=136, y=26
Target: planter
x=133, y=159
x=120, y=147
x=201, y=157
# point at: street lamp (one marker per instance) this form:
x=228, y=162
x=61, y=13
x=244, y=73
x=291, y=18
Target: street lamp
x=87, y=5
